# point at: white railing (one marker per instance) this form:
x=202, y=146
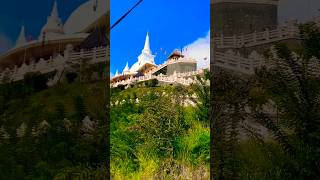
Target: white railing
x=287, y=31
x=43, y=66
x=180, y=78
x=237, y=63
x=95, y=55
x=59, y=62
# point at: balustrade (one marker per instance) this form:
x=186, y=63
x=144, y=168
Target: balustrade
x=181, y=78
x=257, y=38
x=52, y=64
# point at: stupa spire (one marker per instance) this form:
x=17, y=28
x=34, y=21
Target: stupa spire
x=146, y=48
x=146, y=54
x=22, y=37
x=126, y=69
x=54, y=25
x=117, y=73
x=54, y=12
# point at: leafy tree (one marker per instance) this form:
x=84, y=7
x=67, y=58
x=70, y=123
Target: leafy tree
x=37, y=81
x=293, y=85
x=80, y=108
x=202, y=100
x=152, y=83
x=228, y=100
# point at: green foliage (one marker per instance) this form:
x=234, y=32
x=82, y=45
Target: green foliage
x=156, y=136
x=37, y=81
x=295, y=90
x=311, y=43
x=202, y=92
x=160, y=124
x=282, y=97
x=71, y=77
x=261, y=161
x=152, y=83
x=80, y=108
x=49, y=151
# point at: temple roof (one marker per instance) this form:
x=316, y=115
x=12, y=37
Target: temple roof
x=175, y=53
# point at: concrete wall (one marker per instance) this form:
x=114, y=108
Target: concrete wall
x=181, y=68
x=237, y=18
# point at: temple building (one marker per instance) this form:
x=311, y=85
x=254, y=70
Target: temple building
x=176, y=63
x=236, y=17
x=58, y=43
x=145, y=60
x=244, y=31
x=144, y=65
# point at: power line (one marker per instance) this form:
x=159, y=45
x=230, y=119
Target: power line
x=126, y=14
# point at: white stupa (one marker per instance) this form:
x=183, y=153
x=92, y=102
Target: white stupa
x=146, y=54
x=146, y=57
x=54, y=27
x=22, y=38
x=117, y=73
x=126, y=69
x=55, y=37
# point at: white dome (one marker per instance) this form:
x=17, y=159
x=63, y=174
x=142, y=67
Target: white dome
x=85, y=15
x=138, y=65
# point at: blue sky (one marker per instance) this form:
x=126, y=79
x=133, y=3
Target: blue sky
x=33, y=14
x=171, y=24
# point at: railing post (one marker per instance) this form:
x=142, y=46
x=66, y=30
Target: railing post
x=235, y=40
x=242, y=39
x=94, y=56
x=81, y=53
x=267, y=34
x=254, y=36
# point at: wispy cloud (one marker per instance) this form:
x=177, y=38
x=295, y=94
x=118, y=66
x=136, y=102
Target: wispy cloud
x=200, y=50
x=5, y=43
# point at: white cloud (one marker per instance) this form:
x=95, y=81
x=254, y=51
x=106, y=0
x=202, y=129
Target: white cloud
x=5, y=43
x=200, y=50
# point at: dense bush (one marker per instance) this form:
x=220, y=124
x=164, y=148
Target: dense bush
x=53, y=143
x=153, y=135
x=152, y=83
x=281, y=97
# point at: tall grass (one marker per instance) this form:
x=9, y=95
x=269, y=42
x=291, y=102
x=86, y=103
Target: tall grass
x=140, y=151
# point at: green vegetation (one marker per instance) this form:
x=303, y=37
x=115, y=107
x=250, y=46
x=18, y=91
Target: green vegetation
x=156, y=132
x=42, y=133
x=282, y=97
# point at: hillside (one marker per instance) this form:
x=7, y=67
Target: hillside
x=45, y=134
x=154, y=134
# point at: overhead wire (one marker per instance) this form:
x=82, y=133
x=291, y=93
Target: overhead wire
x=126, y=14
